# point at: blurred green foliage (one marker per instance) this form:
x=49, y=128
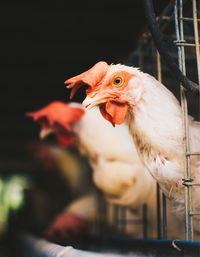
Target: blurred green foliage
x=11, y=197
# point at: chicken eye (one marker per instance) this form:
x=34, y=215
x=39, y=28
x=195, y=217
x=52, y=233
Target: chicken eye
x=117, y=81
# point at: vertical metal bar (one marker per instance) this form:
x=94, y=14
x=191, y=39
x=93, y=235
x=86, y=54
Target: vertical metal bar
x=181, y=61
x=164, y=207
x=123, y=219
x=116, y=216
x=98, y=216
x=164, y=217
x=144, y=220
x=94, y=225
x=186, y=135
x=102, y=213
x=158, y=211
x=196, y=36
x=158, y=64
x=196, y=40
x=112, y=216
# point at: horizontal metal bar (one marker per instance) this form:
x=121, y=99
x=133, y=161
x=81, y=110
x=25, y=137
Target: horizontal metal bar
x=179, y=41
x=194, y=153
x=194, y=213
x=185, y=44
x=195, y=184
x=191, y=184
x=181, y=18
x=188, y=19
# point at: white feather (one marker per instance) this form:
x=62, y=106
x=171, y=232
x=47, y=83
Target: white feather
x=156, y=126
x=117, y=168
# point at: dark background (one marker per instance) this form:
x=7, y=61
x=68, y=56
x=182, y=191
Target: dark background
x=43, y=45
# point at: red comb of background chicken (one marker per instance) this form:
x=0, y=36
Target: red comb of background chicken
x=58, y=112
x=57, y=118
x=90, y=77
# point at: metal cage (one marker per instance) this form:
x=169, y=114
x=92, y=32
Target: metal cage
x=180, y=23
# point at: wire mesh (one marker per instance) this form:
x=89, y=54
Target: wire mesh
x=120, y=219
x=182, y=42
x=180, y=22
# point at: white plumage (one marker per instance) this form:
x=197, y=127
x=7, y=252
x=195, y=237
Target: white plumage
x=154, y=118
x=160, y=144
x=117, y=167
x=118, y=170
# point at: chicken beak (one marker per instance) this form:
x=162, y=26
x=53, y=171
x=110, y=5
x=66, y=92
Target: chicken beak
x=90, y=102
x=44, y=132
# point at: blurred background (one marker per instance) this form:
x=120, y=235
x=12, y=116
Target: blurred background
x=43, y=45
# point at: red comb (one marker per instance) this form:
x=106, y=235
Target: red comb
x=90, y=77
x=58, y=112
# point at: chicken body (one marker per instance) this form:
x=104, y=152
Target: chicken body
x=117, y=169
x=154, y=118
x=160, y=144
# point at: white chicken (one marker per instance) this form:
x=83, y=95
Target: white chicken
x=154, y=118
x=117, y=169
